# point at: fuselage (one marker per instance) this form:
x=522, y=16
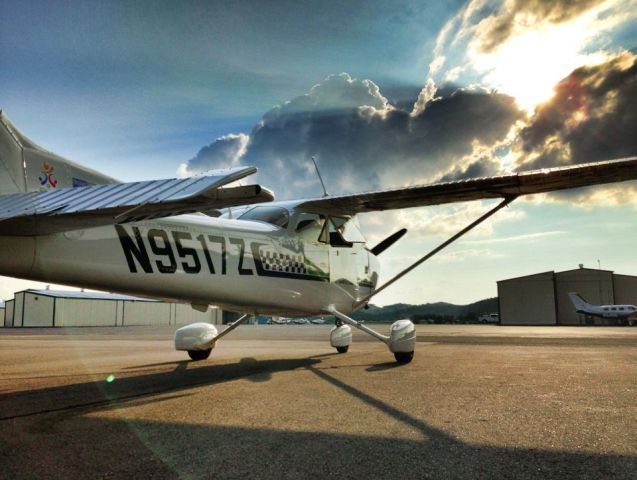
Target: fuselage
x=243, y=265
x=609, y=311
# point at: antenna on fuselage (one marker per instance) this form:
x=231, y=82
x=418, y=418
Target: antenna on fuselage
x=318, y=172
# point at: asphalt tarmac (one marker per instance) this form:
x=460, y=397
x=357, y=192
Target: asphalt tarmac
x=277, y=402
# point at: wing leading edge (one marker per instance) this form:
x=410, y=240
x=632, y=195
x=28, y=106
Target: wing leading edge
x=523, y=183
x=65, y=209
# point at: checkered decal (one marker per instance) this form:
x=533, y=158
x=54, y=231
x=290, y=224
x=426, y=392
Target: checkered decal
x=280, y=262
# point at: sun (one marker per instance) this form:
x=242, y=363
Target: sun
x=532, y=61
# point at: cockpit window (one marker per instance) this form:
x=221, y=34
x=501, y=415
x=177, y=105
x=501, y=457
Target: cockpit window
x=341, y=232
x=309, y=226
x=273, y=215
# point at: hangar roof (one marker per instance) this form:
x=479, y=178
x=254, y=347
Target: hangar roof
x=85, y=295
x=522, y=277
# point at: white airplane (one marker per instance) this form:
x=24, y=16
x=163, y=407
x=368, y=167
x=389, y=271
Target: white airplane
x=63, y=223
x=618, y=312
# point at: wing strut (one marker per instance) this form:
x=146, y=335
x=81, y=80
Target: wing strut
x=507, y=200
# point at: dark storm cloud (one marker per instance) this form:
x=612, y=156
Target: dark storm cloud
x=593, y=116
x=497, y=28
x=362, y=141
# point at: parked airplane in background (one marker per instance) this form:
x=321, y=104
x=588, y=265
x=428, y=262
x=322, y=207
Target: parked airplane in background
x=63, y=223
x=617, y=312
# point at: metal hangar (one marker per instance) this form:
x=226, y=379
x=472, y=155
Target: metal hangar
x=61, y=308
x=542, y=298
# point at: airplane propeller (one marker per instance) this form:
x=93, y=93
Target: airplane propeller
x=388, y=242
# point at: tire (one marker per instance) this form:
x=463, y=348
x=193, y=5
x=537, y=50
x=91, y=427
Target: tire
x=199, y=354
x=342, y=349
x=404, y=357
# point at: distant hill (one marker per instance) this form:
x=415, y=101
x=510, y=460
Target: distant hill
x=439, y=312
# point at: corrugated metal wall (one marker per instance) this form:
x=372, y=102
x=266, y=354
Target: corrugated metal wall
x=8, y=313
x=17, y=309
x=77, y=312
x=185, y=314
x=596, y=286
x=625, y=289
x=146, y=313
x=527, y=300
x=38, y=310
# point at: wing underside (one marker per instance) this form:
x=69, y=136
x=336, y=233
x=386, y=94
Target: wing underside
x=59, y=210
x=524, y=183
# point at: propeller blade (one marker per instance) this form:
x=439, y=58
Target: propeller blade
x=388, y=242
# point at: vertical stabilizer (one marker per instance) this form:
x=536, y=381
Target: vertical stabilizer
x=578, y=301
x=26, y=167
x=12, y=177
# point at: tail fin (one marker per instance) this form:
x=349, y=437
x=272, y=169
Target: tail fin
x=12, y=176
x=26, y=167
x=578, y=302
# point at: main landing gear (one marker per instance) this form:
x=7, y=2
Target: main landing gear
x=198, y=339
x=401, y=340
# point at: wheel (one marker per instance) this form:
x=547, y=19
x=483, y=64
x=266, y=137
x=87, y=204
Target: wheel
x=199, y=354
x=342, y=349
x=404, y=357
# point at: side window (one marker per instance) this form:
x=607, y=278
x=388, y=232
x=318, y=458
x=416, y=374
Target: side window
x=309, y=226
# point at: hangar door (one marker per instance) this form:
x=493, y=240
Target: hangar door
x=527, y=300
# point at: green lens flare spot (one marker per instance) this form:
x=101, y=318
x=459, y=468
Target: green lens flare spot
x=110, y=378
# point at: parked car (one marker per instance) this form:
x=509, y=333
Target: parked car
x=489, y=318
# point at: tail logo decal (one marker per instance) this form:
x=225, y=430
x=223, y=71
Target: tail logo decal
x=47, y=180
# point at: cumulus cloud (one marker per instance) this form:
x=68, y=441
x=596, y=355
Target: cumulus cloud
x=224, y=152
x=523, y=48
x=592, y=116
x=497, y=28
x=362, y=141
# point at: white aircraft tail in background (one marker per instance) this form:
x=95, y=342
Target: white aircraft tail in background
x=603, y=311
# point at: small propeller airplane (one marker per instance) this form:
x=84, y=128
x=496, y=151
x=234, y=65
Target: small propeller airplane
x=175, y=239
x=626, y=313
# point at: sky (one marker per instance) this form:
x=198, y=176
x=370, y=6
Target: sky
x=385, y=95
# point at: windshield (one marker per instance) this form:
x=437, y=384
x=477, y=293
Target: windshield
x=273, y=215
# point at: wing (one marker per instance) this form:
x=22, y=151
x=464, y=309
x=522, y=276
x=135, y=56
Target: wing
x=64, y=209
x=524, y=183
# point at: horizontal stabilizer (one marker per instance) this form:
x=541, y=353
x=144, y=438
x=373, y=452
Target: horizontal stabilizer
x=524, y=183
x=64, y=209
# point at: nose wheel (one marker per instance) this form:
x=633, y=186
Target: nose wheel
x=404, y=357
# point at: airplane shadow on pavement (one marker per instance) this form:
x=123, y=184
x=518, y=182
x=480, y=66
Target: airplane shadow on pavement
x=52, y=433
